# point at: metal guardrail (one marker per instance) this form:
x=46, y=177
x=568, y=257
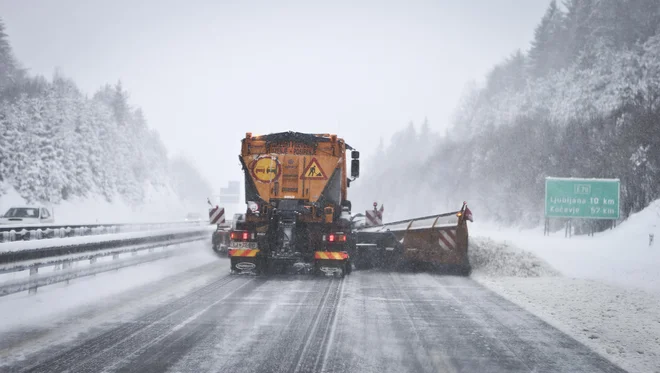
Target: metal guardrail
x=10, y=233
x=124, y=252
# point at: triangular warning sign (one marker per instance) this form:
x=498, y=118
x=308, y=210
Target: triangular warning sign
x=314, y=171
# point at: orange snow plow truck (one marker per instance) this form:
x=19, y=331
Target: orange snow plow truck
x=298, y=217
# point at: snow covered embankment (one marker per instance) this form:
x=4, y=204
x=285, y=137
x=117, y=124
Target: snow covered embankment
x=499, y=259
x=620, y=324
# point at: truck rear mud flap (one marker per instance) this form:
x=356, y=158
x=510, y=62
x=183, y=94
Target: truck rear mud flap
x=246, y=266
x=334, y=268
x=245, y=261
x=329, y=263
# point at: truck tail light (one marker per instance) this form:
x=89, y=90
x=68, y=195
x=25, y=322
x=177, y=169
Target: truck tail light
x=335, y=237
x=241, y=236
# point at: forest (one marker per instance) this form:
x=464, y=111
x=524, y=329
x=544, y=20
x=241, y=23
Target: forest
x=56, y=143
x=582, y=101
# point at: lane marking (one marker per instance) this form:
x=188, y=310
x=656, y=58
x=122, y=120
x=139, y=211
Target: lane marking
x=312, y=329
x=201, y=312
x=333, y=326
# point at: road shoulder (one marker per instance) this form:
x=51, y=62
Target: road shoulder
x=621, y=324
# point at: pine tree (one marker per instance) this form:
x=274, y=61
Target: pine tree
x=9, y=69
x=578, y=27
x=548, y=52
x=119, y=104
x=463, y=119
x=507, y=76
x=6, y=138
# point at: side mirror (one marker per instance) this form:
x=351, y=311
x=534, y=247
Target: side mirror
x=355, y=154
x=355, y=168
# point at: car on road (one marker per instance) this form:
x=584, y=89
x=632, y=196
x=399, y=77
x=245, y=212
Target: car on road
x=27, y=215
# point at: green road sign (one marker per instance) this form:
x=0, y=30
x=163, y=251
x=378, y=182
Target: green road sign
x=581, y=198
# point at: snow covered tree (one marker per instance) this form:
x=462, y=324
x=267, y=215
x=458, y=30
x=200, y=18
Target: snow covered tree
x=507, y=76
x=56, y=144
x=548, y=50
x=10, y=72
x=578, y=26
x=583, y=102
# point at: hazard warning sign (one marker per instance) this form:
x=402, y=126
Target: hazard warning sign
x=314, y=171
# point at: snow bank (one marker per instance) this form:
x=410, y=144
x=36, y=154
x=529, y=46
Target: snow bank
x=609, y=295
x=621, y=256
x=493, y=258
x=160, y=205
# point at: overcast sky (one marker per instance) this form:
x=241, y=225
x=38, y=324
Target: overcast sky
x=206, y=72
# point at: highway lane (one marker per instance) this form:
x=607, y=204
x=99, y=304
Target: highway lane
x=368, y=322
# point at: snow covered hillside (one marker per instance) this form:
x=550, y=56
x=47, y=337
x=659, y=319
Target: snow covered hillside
x=93, y=157
x=602, y=290
x=582, y=101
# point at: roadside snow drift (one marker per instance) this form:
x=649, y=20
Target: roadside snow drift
x=494, y=258
x=623, y=256
x=603, y=290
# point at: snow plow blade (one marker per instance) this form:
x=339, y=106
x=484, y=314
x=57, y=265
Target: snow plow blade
x=430, y=243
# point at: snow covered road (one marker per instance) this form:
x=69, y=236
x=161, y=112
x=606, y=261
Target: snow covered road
x=202, y=320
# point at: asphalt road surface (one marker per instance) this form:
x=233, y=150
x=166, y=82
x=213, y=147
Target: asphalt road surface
x=368, y=322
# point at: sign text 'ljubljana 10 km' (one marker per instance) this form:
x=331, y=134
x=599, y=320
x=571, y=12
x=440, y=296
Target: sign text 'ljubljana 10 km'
x=581, y=198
